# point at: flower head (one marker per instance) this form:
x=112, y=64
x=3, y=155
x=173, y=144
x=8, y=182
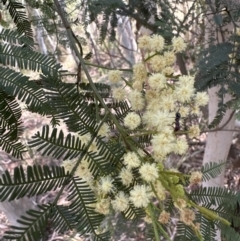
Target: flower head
x=168, y=70
x=186, y=80
x=164, y=217
x=85, y=138
x=137, y=85
x=158, y=63
x=140, y=196
x=119, y=94
x=193, y=131
x=131, y=160
x=83, y=171
x=104, y=130
x=181, y=146
x=238, y=31
x=136, y=99
x=184, y=93
x=126, y=176
x=187, y=216
x=103, y=206
x=106, y=185
x=162, y=144
x=144, y=42
x=167, y=103
x=149, y=172
x=178, y=44
x=195, y=178
x=180, y=203
x=132, y=120
x=114, y=76
x=158, y=119
x=139, y=72
x=121, y=202
x=157, y=81
x=157, y=43
x=68, y=165
x=170, y=58
x=160, y=190
x=201, y=98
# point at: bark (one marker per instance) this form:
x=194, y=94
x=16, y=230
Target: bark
x=218, y=142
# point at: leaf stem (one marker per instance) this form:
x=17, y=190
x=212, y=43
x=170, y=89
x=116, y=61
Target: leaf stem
x=156, y=234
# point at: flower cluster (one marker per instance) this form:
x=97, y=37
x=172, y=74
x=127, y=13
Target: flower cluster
x=159, y=101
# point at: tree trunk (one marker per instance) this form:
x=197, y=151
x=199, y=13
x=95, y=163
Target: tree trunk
x=218, y=142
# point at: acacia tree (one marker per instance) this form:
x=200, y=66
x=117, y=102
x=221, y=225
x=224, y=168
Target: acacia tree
x=117, y=141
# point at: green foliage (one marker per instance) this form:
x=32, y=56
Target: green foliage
x=140, y=11
x=57, y=146
x=81, y=197
x=17, y=85
x=34, y=225
x=214, y=65
x=83, y=112
x=218, y=64
x=11, y=146
x=207, y=227
x=213, y=195
x=25, y=58
x=184, y=233
x=14, y=37
x=212, y=170
x=229, y=233
x=19, y=17
x=38, y=180
x=10, y=125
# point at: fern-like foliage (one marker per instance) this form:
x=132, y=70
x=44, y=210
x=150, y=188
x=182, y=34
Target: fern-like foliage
x=38, y=180
x=222, y=108
x=19, y=16
x=16, y=50
x=57, y=146
x=69, y=105
x=15, y=148
x=10, y=114
x=17, y=85
x=213, y=196
x=10, y=125
x=25, y=58
x=63, y=218
x=14, y=37
x=207, y=227
x=214, y=62
x=140, y=11
x=185, y=233
x=229, y=233
x=104, y=91
x=218, y=65
x=132, y=213
x=212, y=170
x=34, y=225
x=82, y=198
